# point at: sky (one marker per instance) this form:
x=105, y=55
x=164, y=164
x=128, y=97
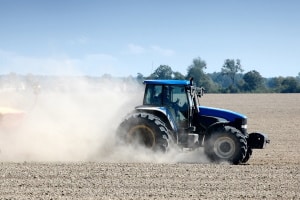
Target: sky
x=126, y=37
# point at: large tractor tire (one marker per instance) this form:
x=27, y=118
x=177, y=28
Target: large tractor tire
x=226, y=144
x=248, y=155
x=144, y=129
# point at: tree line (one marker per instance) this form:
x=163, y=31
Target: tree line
x=231, y=78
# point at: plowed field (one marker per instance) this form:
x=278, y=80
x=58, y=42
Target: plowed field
x=271, y=173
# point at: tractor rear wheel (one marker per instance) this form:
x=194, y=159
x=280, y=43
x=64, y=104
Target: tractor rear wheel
x=144, y=129
x=226, y=144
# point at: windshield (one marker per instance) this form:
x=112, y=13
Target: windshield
x=163, y=95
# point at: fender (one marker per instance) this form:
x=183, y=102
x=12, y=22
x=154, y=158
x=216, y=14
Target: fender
x=215, y=125
x=163, y=111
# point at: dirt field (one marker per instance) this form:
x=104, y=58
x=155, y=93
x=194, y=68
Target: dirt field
x=272, y=173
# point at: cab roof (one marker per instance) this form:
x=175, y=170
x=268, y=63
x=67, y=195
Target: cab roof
x=167, y=82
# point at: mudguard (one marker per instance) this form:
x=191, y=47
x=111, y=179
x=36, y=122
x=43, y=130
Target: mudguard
x=161, y=110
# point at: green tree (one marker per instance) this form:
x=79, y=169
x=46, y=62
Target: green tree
x=284, y=84
x=178, y=76
x=196, y=70
x=298, y=77
x=231, y=68
x=106, y=76
x=253, y=81
x=290, y=85
x=275, y=84
x=162, y=72
x=140, y=77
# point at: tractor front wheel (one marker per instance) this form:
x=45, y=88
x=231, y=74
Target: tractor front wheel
x=226, y=144
x=248, y=154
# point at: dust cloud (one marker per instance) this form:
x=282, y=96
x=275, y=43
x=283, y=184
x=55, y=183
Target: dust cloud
x=72, y=120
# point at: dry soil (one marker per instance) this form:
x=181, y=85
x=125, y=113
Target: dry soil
x=271, y=173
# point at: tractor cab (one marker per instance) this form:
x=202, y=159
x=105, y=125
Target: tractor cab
x=175, y=97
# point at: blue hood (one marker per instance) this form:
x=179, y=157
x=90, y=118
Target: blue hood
x=221, y=113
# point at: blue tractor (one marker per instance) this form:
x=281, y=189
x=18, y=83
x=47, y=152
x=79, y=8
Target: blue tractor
x=171, y=114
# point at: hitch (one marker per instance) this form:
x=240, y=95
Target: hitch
x=258, y=140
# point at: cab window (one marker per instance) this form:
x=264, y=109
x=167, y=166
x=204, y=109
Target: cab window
x=153, y=95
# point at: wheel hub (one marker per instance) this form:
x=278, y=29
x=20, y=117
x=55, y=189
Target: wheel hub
x=224, y=147
x=141, y=134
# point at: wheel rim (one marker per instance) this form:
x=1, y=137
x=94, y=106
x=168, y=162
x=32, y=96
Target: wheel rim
x=141, y=134
x=224, y=147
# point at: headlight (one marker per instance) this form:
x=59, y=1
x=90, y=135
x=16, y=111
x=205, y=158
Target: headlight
x=244, y=126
